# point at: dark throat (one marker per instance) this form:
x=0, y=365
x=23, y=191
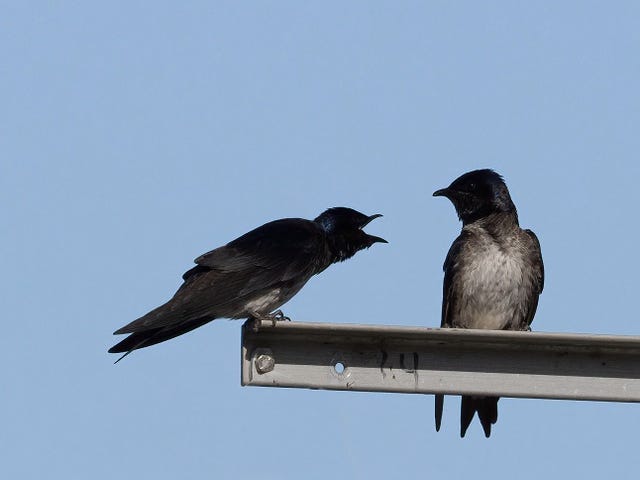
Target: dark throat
x=341, y=247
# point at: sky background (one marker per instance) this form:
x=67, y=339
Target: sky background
x=135, y=136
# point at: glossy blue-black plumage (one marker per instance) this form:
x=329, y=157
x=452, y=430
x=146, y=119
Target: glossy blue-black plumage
x=252, y=275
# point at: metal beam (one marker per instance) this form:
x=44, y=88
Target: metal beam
x=451, y=361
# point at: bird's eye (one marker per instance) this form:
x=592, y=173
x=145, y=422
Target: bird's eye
x=472, y=187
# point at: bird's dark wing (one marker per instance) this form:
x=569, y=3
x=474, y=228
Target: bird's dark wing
x=262, y=259
x=450, y=268
x=278, y=250
x=535, y=255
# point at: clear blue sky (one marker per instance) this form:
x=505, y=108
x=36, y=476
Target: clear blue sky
x=135, y=136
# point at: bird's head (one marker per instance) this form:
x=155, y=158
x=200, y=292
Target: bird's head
x=478, y=194
x=343, y=227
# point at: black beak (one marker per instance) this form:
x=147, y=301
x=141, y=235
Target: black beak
x=373, y=239
x=443, y=192
x=370, y=218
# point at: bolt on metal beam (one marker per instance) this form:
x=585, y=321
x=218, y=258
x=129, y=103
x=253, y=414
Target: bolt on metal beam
x=450, y=361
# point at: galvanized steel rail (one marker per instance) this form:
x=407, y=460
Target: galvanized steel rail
x=452, y=361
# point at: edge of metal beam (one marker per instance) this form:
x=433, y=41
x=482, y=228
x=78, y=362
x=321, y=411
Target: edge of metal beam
x=382, y=358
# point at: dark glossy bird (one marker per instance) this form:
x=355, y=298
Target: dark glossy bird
x=253, y=275
x=493, y=273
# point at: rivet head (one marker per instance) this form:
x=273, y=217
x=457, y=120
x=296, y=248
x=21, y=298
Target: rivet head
x=265, y=363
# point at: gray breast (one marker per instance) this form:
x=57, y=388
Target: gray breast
x=493, y=286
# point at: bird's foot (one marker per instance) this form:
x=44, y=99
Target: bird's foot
x=274, y=318
x=279, y=316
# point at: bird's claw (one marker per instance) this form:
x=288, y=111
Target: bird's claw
x=274, y=318
x=279, y=316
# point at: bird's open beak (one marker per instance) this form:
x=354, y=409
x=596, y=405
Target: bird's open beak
x=443, y=192
x=375, y=239
x=370, y=218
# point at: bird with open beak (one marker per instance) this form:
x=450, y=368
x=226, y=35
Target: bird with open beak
x=253, y=275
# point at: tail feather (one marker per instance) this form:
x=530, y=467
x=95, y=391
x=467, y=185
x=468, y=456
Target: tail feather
x=467, y=411
x=438, y=410
x=488, y=413
x=162, y=316
x=487, y=408
x=147, y=338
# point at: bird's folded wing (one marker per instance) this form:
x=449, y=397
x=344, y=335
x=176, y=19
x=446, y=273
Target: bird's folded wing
x=258, y=261
x=538, y=272
x=278, y=251
x=538, y=264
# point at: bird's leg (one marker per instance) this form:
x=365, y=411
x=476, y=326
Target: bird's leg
x=255, y=323
x=258, y=318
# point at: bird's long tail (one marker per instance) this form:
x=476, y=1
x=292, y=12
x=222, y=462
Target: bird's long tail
x=487, y=408
x=147, y=338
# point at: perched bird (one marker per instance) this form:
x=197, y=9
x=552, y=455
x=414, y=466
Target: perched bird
x=253, y=275
x=493, y=273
